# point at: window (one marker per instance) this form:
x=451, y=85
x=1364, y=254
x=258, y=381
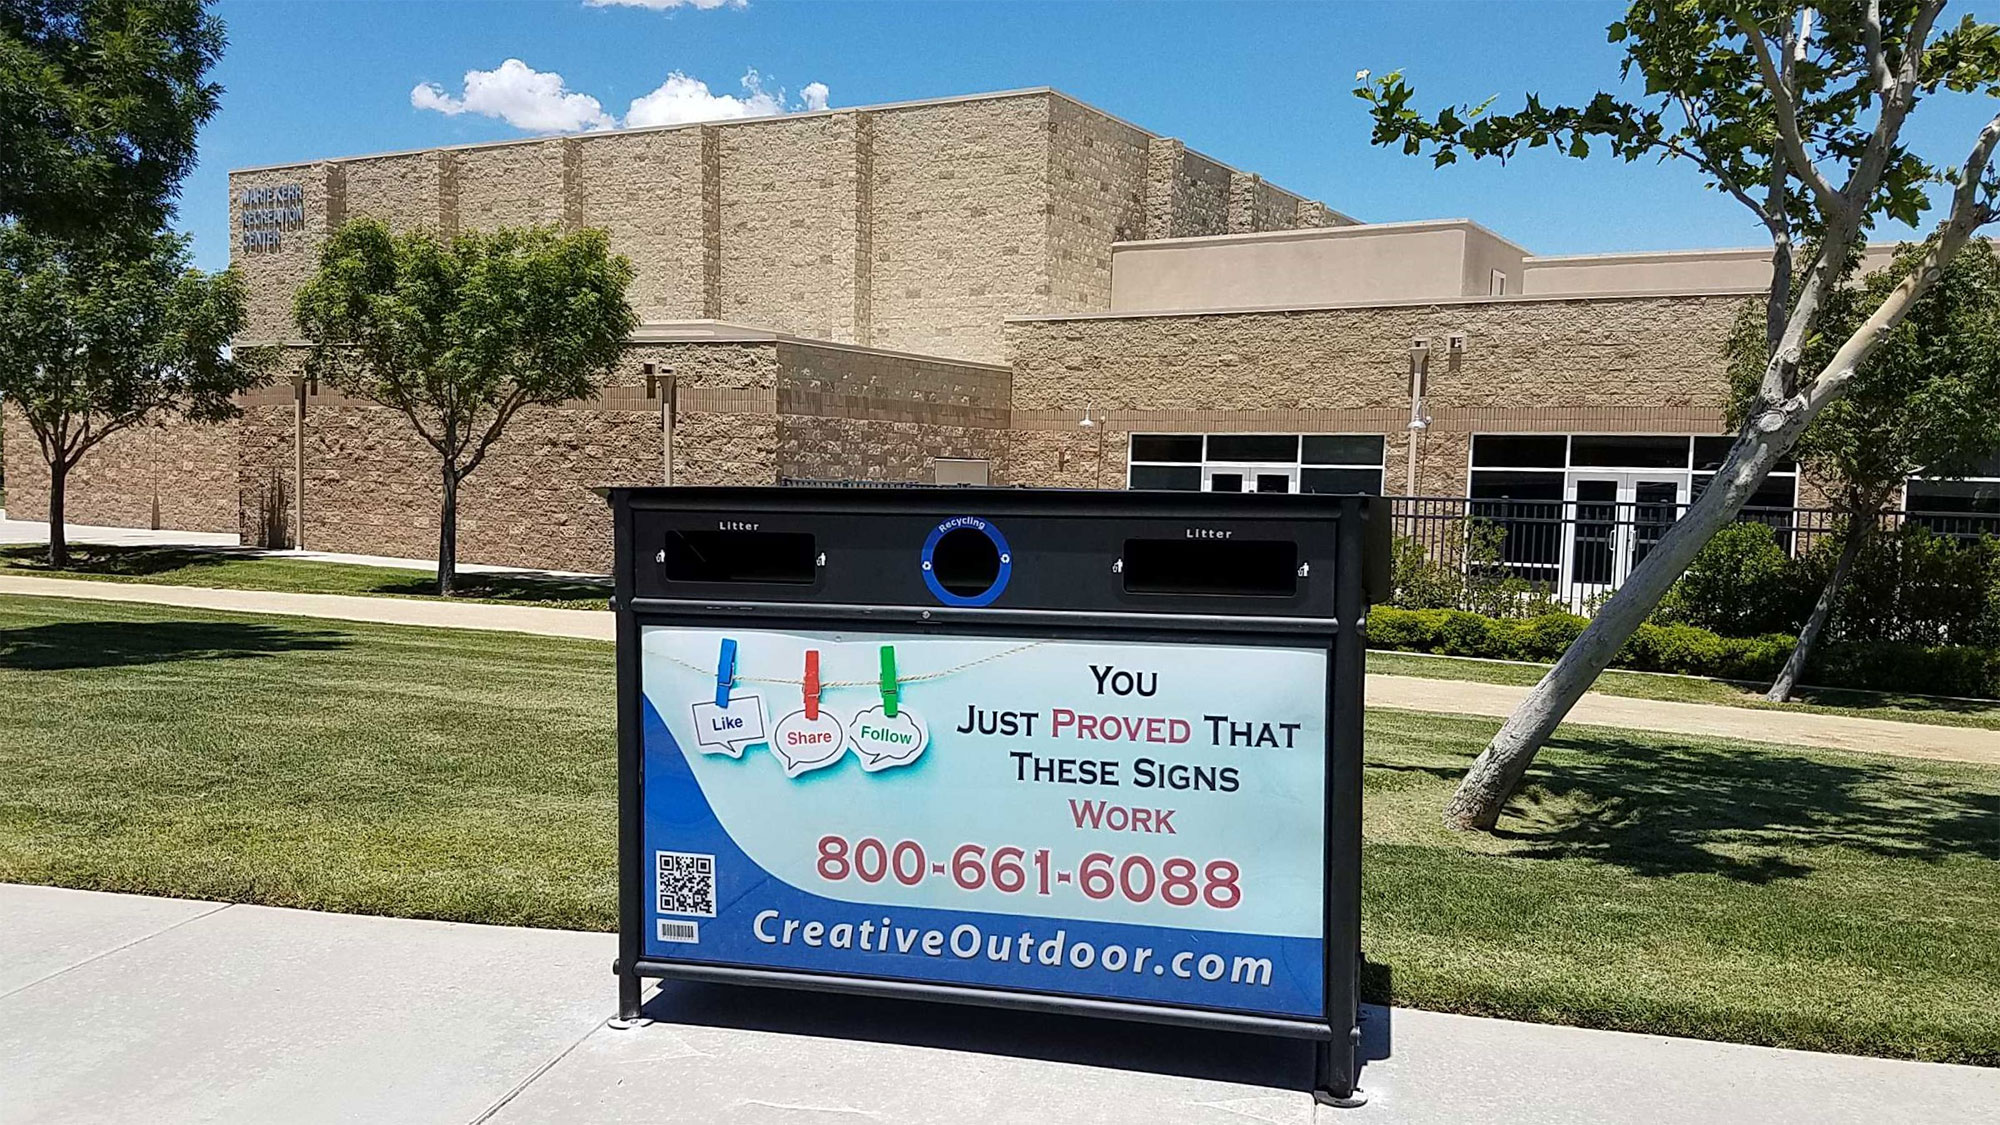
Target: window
x=1322, y=463
x=1602, y=500
x=1966, y=507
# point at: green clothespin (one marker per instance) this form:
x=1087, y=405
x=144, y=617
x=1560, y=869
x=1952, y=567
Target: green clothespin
x=889, y=689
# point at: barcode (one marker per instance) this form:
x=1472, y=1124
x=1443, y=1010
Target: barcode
x=680, y=931
x=687, y=883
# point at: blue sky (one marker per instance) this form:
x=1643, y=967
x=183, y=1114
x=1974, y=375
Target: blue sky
x=1263, y=86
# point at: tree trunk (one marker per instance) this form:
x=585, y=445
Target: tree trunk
x=448, y=535
x=58, y=540
x=1859, y=526
x=1498, y=769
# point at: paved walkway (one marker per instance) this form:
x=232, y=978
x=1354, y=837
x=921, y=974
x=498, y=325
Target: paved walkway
x=124, y=1008
x=1796, y=728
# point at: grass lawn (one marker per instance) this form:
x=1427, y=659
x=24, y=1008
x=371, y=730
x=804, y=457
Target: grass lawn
x=1692, y=689
x=1806, y=899
x=241, y=570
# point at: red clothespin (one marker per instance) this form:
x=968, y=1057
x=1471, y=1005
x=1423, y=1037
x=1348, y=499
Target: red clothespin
x=812, y=684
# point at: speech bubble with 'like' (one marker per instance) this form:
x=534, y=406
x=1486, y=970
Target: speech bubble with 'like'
x=885, y=742
x=804, y=745
x=727, y=730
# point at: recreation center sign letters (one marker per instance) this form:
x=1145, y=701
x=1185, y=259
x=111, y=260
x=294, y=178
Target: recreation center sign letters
x=264, y=214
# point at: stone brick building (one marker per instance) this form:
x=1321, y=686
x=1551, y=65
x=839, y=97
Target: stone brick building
x=1014, y=288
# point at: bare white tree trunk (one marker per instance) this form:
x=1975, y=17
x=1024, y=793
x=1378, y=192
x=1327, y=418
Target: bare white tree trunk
x=1768, y=436
x=1497, y=771
x=1858, y=528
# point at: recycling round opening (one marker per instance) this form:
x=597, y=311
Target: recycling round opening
x=966, y=562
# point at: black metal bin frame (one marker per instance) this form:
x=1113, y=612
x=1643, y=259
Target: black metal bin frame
x=1360, y=529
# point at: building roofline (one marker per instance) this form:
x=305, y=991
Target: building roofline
x=1613, y=257
x=1415, y=302
x=995, y=95
x=914, y=103
x=714, y=332
x=729, y=332
x=1357, y=230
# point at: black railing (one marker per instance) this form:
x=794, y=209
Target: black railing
x=1577, y=552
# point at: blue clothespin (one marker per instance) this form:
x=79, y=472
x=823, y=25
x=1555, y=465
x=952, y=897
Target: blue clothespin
x=725, y=673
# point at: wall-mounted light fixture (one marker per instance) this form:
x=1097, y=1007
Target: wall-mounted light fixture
x=660, y=384
x=1420, y=361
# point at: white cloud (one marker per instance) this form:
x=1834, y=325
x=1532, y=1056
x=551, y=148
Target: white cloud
x=663, y=5
x=520, y=95
x=538, y=102
x=681, y=99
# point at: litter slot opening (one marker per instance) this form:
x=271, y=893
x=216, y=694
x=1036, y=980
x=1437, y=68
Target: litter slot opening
x=1257, y=568
x=785, y=557
x=966, y=562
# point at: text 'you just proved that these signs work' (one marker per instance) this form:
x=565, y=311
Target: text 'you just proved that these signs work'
x=1139, y=822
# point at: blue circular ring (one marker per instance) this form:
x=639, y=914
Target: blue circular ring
x=985, y=597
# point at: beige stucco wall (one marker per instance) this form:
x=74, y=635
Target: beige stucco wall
x=174, y=475
x=958, y=224
x=1292, y=268
x=1745, y=269
x=1626, y=365
x=915, y=227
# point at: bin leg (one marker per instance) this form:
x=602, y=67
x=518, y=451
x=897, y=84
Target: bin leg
x=1333, y=1076
x=628, y=996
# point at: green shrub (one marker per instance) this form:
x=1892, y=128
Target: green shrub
x=1916, y=587
x=1473, y=576
x=1742, y=584
x=1901, y=666
x=1691, y=651
x=1420, y=582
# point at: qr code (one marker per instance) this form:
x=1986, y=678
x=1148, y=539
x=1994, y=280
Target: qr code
x=687, y=883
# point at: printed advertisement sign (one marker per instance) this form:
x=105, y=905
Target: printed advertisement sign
x=1123, y=821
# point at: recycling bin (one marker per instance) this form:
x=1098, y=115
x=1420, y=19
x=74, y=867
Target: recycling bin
x=1083, y=752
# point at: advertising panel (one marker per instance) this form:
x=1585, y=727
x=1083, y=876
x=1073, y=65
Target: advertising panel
x=1139, y=822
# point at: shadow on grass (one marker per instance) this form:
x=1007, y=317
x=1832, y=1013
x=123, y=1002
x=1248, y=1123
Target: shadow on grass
x=111, y=644
x=1854, y=697
x=129, y=562
x=531, y=587
x=1748, y=816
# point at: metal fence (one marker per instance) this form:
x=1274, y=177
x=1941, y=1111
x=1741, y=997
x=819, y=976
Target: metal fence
x=1577, y=552
x=1521, y=555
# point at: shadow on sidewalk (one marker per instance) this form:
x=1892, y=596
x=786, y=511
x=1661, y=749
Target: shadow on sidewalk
x=1279, y=1064
x=109, y=644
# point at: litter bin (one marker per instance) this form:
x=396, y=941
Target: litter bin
x=1084, y=752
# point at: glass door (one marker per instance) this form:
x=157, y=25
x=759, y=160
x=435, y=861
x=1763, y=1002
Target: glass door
x=1250, y=478
x=1656, y=504
x=1617, y=519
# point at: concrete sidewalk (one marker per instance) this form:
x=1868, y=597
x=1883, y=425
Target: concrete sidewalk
x=1795, y=728
x=124, y=1008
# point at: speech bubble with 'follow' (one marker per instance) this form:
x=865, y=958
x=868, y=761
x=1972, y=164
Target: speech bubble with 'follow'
x=727, y=730
x=885, y=742
x=804, y=745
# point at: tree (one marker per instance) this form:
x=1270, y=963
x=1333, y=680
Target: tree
x=1928, y=401
x=1797, y=113
x=100, y=101
x=99, y=337
x=459, y=334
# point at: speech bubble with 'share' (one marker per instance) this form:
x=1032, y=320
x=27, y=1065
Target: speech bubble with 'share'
x=727, y=730
x=885, y=742
x=804, y=744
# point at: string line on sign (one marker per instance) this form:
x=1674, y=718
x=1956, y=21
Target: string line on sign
x=990, y=657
